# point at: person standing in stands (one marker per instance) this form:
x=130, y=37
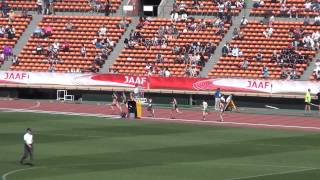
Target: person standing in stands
x=307, y=100
x=217, y=96
x=28, y=146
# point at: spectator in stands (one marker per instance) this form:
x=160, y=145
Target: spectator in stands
x=107, y=8
x=83, y=51
x=306, y=21
x=11, y=32
x=102, y=31
x=307, y=6
x=2, y=31
x=1, y=58
x=174, y=16
x=52, y=68
x=159, y=58
x=265, y=71
x=15, y=60
x=317, y=75
x=243, y=22
x=38, y=32
x=317, y=20
x=39, y=6
x=184, y=16
x=225, y=49
x=244, y=64
x=65, y=46
x=56, y=46
x=12, y=16
x=97, y=43
x=123, y=24
x=235, y=52
x=5, y=8
x=235, y=33
x=39, y=49
x=259, y=56
x=167, y=73
x=293, y=12
x=268, y=32
x=7, y=51
x=69, y=26
x=47, y=31
x=283, y=10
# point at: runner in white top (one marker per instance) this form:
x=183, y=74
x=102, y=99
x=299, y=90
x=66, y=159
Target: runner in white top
x=204, y=110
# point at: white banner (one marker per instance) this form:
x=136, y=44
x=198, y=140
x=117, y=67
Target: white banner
x=174, y=83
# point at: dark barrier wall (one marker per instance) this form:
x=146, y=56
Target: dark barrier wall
x=162, y=99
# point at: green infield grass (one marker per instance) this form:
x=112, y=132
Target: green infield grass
x=91, y=148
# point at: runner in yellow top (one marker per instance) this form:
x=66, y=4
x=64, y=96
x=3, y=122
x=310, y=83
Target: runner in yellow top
x=307, y=100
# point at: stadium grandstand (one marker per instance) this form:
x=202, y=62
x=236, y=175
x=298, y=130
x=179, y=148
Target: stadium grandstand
x=161, y=87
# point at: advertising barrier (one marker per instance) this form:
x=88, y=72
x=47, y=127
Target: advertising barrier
x=153, y=82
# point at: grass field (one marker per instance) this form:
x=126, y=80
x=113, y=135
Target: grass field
x=81, y=148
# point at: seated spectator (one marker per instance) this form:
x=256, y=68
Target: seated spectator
x=235, y=52
x=159, y=58
x=167, y=73
x=39, y=6
x=102, y=31
x=265, y=71
x=7, y=51
x=11, y=32
x=184, y=16
x=97, y=43
x=293, y=11
x=244, y=21
x=235, y=33
x=225, y=50
x=317, y=20
x=2, y=31
x=123, y=23
x=244, y=64
x=306, y=21
x=15, y=60
x=1, y=58
x=69, y=26
x=12, y=15
x=56, y=46
x=38, y=32
x=307, y=6
x=259, y=56
x=52, y=68
x=39, y=49
x=268, y=32
x=47, y=31
x=65, y=46
x=317, y=74
x=283, y=10
x=83, y=51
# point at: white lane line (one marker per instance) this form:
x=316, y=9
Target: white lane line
x=5, y=175
x=236, y=123
x=272, y=174
x=28, y=108
x=162, y=119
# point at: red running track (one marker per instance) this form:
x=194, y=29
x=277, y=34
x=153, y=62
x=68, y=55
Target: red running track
x=187, y=116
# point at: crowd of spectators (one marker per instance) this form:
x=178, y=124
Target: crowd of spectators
x=193, y=55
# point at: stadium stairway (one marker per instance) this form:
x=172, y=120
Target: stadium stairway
x=117, y=50
x=308, y=72
x=24, y=38
x=228, y=37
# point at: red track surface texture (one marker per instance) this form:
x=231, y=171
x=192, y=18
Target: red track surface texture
x=187, y=116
